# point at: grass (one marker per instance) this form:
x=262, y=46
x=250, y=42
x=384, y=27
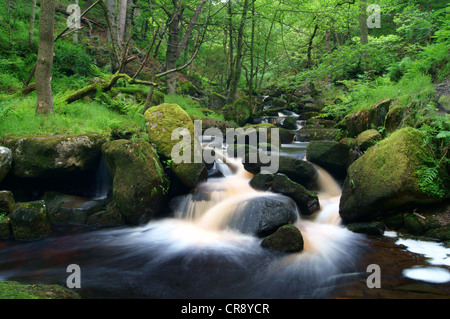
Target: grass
x=192, y=108
x=17, y=117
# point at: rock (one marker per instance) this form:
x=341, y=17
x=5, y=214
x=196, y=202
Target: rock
x=111, y=217
x=394, y=118
x=208, y=122
x=216, y=101
x=444, y=103
x=54, y=155
x=385, y=178
x=317, y=134
x=415, y=224
x=29, y=221
x=239, y=111
x=332, y=156
x=367, y=139
x=5, y=162
x=306, y=201
x=187, y=88
x=15, y=290
x=285, y=136
x=364, y=120
x=65, y=209
x=262, y=182
x=298, y=171
x=139, y=179
x=275, y=102
x=290, y=123
x=6, y=202
x=5, y=227
x=312, y=108
x=307, y=88
x=308, y=115
x=372, y=229
x=287, y=239
x=161, y=121
x=261, y=216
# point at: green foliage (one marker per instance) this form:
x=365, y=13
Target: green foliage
x=71, y=59
x=192, y=108
x=430, y=177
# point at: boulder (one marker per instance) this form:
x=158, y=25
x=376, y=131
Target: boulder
x=394, y=118
x=111, y=217
x=29, y=221
x=287, y=239
x=385, y=178
x=5, y=228
x=63, y=209
x=332, y=156
x=262, y=182
x=261, y=216
x=364, y=120
x=187, y=88
x=444, y=103
x=161, y=122
x=7, y=202
x=5, y=162
x=285, y=136
x=298, y=171
x=139, y=179
x=367, y=139
x=216, y=101
x=372, y=228
x=306, y=201
x=306, y=134
x=239, y=111
x=290, y=123
x=54, y=155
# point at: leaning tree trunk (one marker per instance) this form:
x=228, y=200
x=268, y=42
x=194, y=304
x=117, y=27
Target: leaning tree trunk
x=44, y=63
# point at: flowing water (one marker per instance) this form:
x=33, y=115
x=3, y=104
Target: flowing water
x=199, y=253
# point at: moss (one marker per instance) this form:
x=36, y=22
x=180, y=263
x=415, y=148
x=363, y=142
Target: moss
x=15, y=290
x=29, y=221
x=367, y=139
x=385, y=176
x=287, y=239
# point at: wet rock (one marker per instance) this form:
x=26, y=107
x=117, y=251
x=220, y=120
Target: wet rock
x=29, y=221
x=332, y=156
x=7, y=202
x=5, y=228
x=373, y=228
x=262, y=216
x=367, y=139
x=5, y=162
x=139, y=179
x=111, y=217
x=287, y=239
x=306, y=134
x=262, y=182
x=290, y=123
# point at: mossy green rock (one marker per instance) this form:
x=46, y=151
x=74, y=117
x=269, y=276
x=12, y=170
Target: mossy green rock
x=332, y=156
x=161, y=121
x=385, y=177
x=364, y=120
x=367, y=139
x=187, y=88
x=287, y=239
x=54, y=155
x=5, y=162
x=216, y=101
x=5, y=228
x=29, y=221
x=110, y=217
x=15, y=290
x=139, y=180
x=7, y=202
x=394, y=118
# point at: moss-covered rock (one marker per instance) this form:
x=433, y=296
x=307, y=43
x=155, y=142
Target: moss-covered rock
x=5, y=228
x=139, y=180
x=239, y=111
x=29, y=221
x=15, y=290
x=372, y=228
x=287, y=239
x=394, y=117
x=285, y=136
x=290, y=123
x=216, y=101
x=262, y=182
x=444, y=103
x=5, y=162
x=306, y=134
x=161, y=121
x=187, y=88
x=368, y=139
x=332, y=156
x=385, y=178
x=54, y=155
x=63, y=209
x=111, y=217
x=7, y=202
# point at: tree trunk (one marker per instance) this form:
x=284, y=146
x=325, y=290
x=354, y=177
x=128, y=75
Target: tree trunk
x=310, y=44
x=44, y=63
x=364, y=32
x=122, y=19
x=240, y=46
x=172, y=52
x=32, y=18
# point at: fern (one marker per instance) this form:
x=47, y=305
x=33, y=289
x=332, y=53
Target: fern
x=430, y=181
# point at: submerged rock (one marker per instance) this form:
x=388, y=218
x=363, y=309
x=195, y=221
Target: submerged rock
x=287, y=239
x=5, y=162
x=29, y=221
x=161, y=122
x=385, y=178
x=139, y=180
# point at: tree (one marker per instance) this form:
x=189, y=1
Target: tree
x=44, y=62
x=32, y=18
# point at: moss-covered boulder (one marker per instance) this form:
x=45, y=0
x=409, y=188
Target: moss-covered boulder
x=5, y=162
x=290, y=123
x=216, y=101
x=287, y=239
x=394, y=117
x=299, y=171
x=385, y=178
x=7, y=202
x=54, y=155
x=111, y=217
x=161, y=122
x=367, y=139
x=187, y=88
x=139, y=180
x=5, y=227
x=332, y=156
x=15, y=290
x=364, y=120
x=29, y=221
x=63, y=209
